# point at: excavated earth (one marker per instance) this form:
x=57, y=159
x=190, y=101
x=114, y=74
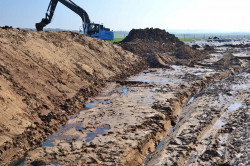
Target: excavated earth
x=130, y=121
x=159, y=48
x=195, y=113
x=47, y=76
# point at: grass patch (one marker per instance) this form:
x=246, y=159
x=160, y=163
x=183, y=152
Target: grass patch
x=186, y=39
x=116, y=40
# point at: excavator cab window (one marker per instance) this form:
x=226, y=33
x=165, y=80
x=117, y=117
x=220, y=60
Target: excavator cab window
x=93, y=29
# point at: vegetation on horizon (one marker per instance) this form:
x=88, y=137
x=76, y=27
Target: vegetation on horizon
x=189, y=39
x=116, y=40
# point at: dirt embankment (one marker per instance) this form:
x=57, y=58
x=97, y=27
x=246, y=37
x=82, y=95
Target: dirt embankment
x=46, y=76
x=159, y=47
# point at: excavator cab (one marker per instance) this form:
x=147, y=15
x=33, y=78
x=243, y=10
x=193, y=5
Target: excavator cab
x=99, y=31
x=93, y=29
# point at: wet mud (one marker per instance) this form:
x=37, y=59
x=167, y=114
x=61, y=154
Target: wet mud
x=213, y=128
x=133, y=118
x=82, y=111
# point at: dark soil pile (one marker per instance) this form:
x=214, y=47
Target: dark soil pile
x=159, y=45
x=151, y=35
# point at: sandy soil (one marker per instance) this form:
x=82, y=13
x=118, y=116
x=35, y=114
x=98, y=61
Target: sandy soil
x=46, y=76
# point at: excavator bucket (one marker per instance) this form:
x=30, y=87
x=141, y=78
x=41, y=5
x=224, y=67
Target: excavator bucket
x=40, y=26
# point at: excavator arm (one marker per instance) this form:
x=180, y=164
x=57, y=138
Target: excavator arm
x=51, y=9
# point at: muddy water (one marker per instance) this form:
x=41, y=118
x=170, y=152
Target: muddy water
x=127, y=116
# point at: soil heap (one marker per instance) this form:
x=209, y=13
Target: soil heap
x=47, y=76
x=158, y=47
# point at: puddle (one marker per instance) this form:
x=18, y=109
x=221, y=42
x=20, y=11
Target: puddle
x=53, y=163
x=190, y=100
x=161, y=142
x=233, y=107
x=99, y=131
x=50, y=141
x=94, y=104
x=156, y=89
x=175, y=67
x=105, y=102
x=179, y=116
x=191, y=159
x=124, y=91
x=219, y=123
x=90, y=105
x=62, y=129
x=147, y=158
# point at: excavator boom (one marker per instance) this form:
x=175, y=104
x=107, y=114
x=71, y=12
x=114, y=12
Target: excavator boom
x=51, y=9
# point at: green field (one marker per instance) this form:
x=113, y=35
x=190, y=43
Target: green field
x=116, y=40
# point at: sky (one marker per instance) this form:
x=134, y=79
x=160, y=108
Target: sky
x=186, y=15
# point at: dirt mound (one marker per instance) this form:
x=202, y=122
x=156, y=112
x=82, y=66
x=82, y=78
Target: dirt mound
x=151, y=34
x=47, y=76
x=186, y=52
x=151, y=42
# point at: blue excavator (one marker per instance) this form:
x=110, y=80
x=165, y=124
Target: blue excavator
x=89, y=29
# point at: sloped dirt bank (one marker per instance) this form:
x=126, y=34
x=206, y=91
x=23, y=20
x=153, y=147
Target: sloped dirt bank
x=47, y=76
x=159, y=47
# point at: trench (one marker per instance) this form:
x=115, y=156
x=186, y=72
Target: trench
x=159, y=78
x=171, y=129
